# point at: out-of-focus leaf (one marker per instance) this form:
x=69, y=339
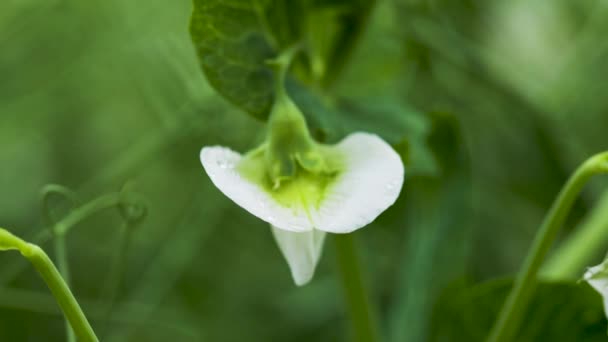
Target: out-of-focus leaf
x=437, y=215
x=389, y=117
x=557, y=312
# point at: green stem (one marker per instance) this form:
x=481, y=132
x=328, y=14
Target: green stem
x=62, y=293
x=54, y=281
x=83, y=212
x=115, y=277
x=354, y=289
x=510, y=316
x=62, y=227
x=587, y=242
x=64, y=270
x=59, y=241
x=281, y=65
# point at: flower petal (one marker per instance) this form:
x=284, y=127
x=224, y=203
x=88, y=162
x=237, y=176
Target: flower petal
x=597, y=277
x=302, y=251
x=370, y=183
x=220, y=164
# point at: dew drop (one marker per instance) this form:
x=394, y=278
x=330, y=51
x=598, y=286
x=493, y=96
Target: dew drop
x=362, y=220
x=225, y=165
x=391, y=187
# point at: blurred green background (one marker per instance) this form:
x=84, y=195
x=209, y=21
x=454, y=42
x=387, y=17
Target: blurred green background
x=95, y=94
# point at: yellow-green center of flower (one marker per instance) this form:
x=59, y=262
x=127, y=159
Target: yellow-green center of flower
x=303, y=190
x=292, y=167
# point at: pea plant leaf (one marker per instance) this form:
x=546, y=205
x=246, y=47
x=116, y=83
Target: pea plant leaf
x=404, y=127
x=233, y=46
x=234, y=40
x=557, y=312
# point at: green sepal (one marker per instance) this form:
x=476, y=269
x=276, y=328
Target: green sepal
x=290, y=146
x=303, y=189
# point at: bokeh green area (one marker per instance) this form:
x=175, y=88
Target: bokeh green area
x=96, y=94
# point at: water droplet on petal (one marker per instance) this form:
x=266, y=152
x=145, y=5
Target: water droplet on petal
x=391, y=187
x=261, y=203
x=225, y=165
x=362, y=220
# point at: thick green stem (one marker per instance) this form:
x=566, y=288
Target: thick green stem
x=55, y=283
x=510, y=316
x=62, y=294
x=354, y=289
x=59, y=241
x=586, y=243
x=64, y=270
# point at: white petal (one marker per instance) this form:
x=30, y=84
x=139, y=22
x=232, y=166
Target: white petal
x=302, y=251
x=220, y=162
x=599, y=282
x=370, y=183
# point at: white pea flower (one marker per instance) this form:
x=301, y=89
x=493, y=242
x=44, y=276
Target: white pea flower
x=304, y=189
x=368, y=179
x=597, y=277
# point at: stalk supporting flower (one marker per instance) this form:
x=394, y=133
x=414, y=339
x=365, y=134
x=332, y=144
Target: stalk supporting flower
x=305, y=189
x=572, y=256
x=509, y=319
x=61, y=251
x=354, y=289
x=54, y=281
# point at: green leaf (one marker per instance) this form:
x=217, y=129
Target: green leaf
x=235, y=38
x=557, y=312
x=330, y=119
x=233, y=43
x=437, y=214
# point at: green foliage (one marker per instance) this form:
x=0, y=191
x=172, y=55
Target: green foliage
x=94, y=94
x=233, y=40
x=558, y=312
x=236, y=39
x=437, y=212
